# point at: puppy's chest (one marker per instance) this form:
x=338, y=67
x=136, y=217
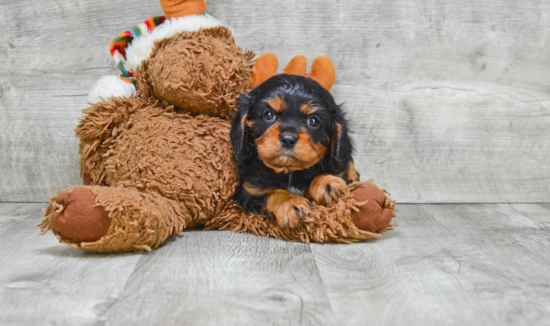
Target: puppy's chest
x=292, y=188
x=295, y=183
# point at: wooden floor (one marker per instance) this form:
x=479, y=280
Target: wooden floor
x=445, y=265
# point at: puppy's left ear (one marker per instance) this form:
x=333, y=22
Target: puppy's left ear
x=239, y=129
x=341, y=147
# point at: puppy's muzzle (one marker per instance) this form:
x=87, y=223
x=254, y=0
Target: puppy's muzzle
x=288, y=140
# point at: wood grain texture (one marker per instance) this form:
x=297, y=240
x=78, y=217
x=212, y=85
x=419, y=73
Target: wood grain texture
x=539, y=213
x=45, y=283
x=223, y=278
x=450, y=100
x=445, y=265
x=50, y=55
x=197, y=278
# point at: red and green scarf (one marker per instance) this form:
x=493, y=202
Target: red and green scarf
x=119, y=44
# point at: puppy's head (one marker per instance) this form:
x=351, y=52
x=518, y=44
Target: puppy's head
x=290, y=123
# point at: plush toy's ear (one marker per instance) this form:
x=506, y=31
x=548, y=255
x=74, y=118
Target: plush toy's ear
x=239, y=129
x=341, y=147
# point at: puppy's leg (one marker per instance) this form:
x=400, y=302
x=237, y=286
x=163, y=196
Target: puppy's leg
x=351, y=174
x=326, y=188
x=251, y=198
x=288, y=209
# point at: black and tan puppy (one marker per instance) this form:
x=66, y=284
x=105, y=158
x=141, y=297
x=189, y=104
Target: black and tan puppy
x=291, y=142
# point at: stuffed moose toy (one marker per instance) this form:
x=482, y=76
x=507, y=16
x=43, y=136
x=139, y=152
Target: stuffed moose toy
x=155, y=150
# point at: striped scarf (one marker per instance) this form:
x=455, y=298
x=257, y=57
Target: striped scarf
x=119, y=44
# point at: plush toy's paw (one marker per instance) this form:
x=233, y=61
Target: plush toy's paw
x=288, y=209
x=326, y=189
x=78, y=217
x=375, y=209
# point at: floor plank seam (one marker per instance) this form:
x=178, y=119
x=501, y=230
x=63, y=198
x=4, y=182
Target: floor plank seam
x=322, y=280
x=115, y=300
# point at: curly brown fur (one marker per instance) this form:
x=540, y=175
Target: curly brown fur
x=188, y=159
x=288, y=133
x=142, y=221
x=201, y=72
x=167, y=171
x=324, y=224
x=98, y=130
x=139, y=220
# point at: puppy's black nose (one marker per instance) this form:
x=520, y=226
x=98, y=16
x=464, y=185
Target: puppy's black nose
x=288, y=140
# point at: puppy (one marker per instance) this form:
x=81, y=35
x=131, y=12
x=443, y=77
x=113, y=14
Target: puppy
x=290, y=141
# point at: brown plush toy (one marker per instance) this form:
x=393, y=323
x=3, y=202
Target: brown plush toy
x=156, y=157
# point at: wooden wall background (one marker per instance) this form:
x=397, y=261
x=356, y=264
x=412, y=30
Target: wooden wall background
x=450, y=100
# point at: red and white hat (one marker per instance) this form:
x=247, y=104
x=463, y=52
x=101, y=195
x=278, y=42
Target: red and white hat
x=133, y=46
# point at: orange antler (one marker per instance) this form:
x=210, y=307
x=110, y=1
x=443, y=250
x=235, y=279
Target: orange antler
x=322, y=69
x=323, y=72
x=180, y=8
x=296, y=66
x=265, y=67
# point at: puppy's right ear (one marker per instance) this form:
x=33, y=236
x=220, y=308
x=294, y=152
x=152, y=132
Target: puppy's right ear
x=239, y=129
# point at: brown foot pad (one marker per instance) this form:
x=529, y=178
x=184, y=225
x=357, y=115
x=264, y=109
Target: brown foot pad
x=79, y=220
x=372, y=215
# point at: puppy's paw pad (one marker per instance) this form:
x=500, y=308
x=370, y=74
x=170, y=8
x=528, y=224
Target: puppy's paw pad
x=326, y=189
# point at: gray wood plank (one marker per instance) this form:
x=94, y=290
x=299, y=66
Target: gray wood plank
x=45, y=283
x=50, y=56
x=452, y=142
x=13, y=213
x=198, y=278
x=540, y=214
x=518, y=254
x=446, y=264
x=509, y=232
x=450, y=100
x=36, y=133
x=223, y=278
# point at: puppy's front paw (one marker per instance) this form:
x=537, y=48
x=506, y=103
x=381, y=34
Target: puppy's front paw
x=288, y=209
x=326, y=188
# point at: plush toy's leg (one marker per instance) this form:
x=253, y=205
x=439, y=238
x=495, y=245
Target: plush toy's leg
x=99, y=128
x=105, y=219
x=333, y=223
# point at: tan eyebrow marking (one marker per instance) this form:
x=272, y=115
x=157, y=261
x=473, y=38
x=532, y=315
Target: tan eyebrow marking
x=277, y=104
x=307, y=109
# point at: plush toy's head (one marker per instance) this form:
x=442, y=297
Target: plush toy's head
x=189, y=61
x=201, y=72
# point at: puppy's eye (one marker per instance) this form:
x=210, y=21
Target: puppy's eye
x=270, y=116
x=313, y=122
